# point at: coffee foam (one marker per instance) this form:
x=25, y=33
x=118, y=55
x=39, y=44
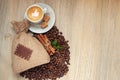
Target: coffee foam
x=34, y=13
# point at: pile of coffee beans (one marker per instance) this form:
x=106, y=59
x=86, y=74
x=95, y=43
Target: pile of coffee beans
x=58, y=65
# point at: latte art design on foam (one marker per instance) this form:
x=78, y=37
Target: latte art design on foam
x=35, y=13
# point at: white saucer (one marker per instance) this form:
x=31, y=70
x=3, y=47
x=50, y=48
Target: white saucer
x=36, y=27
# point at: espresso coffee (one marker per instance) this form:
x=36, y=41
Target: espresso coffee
x=34, y=13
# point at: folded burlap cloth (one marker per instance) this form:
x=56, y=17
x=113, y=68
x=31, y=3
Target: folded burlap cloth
x=28, y=52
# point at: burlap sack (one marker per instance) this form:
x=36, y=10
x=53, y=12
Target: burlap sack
x=28, y=52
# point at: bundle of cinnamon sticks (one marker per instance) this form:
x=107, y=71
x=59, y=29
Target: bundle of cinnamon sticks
x=46, y=43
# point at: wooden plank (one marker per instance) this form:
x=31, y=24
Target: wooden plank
x=91, y=26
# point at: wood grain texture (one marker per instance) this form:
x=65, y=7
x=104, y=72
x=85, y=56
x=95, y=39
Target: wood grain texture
x=91, y=26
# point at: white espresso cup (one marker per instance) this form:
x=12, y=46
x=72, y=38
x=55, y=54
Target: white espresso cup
x=35, y=13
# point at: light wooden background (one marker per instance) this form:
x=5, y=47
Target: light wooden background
x=91, y=26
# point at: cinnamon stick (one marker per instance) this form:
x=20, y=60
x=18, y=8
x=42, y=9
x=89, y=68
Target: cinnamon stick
x=40, y=39
x=46, y=43
x=51, y=48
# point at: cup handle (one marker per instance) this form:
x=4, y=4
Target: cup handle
x=45, y=10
